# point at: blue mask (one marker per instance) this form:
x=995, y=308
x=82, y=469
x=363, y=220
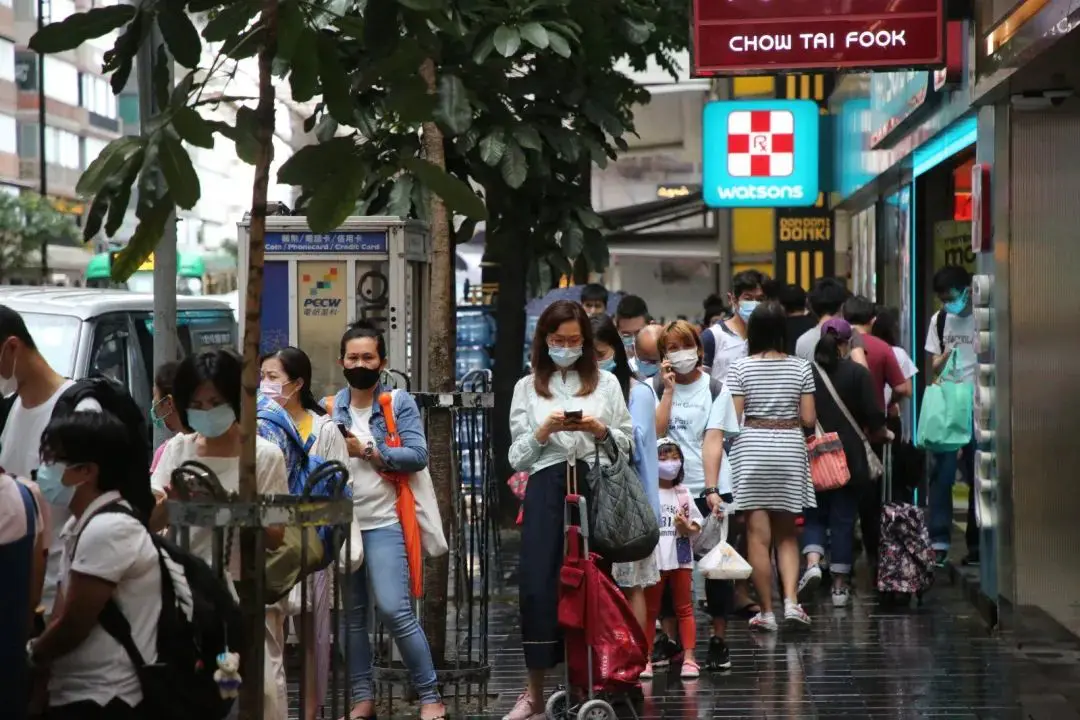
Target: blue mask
x=608, y=364
x=212, y=423
x=746, y=309
x=50, y=478
x=647, y=369
x=957, y=306
x=564, y=357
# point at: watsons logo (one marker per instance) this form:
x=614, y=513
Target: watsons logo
x=761, y=192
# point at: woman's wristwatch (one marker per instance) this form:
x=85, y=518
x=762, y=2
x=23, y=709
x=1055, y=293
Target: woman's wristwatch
x=709, y=491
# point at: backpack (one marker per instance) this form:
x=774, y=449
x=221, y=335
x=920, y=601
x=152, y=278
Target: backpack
x=200, y=619
x=941, y=316
x=327, y=484
x=715, y=387
x=117, y=401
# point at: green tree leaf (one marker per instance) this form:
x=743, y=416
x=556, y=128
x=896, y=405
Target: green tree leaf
x=153, y=215
x=535, y=34
x=74, y=30
x=230, y=20
x=95, y=214
x=312, y=164
x=290, y=23
x=334, y=199
x=191, y=126
x=161, y=80
x=122, y=193
x=457, y=195
x=528, y=137
x=572, y=241
x=244, y=135
x=484, y=49
x=559, y=44
x=588, y=218
x=400, y=203
x=514, y=167
x=453, y=109
x=423, y=5
x=507, y=40
x=104, y=167
x=634, y=31
x=179, y=33
x=335, y=82
x=179, y=173
x=596, y=252
x=493, y=147
x=304, y=78
x=409, y=98
x=121, y=59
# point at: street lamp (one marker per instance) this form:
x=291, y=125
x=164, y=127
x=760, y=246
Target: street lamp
x=42, y=165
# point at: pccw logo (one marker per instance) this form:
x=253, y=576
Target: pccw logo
x=760, y=153
x=317, y=305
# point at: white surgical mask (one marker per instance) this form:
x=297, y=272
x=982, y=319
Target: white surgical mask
x=683, y=361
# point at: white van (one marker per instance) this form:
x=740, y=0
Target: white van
x=83, y=331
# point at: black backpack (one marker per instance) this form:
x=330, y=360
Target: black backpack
x=941, y=316
x=715, y=387
x=116, y=400
x=181, y=685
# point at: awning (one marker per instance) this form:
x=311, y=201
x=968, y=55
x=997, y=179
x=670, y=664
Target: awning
x=639, y=230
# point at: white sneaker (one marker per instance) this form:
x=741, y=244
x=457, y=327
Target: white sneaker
x=794, y=615
x=809, y=582
x=764, y=622
x=841, y=596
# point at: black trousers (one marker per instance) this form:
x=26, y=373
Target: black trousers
x=719, y=594
x=542, y=535
x=115, y=710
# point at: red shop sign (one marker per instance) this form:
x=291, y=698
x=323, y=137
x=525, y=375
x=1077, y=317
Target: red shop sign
x=747, y=36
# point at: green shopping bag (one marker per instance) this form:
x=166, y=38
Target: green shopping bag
x=945, y=421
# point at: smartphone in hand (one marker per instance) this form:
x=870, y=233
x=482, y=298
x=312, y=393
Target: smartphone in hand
x=343, y=430
x=572, y=416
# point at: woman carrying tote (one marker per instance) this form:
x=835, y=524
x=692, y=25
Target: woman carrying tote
x=559, y=415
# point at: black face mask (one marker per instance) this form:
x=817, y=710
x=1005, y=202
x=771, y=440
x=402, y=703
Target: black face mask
x=361, y=378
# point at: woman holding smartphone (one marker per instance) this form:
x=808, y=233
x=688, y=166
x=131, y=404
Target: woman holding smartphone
x=559, y=416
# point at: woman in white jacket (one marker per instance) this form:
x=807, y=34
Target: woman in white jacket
x=286, y=379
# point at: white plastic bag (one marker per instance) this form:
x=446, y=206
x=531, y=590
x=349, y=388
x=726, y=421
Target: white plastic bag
x=722, y=562
x=713, y=531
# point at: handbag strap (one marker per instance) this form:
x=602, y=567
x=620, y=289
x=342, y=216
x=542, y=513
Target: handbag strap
x=840, y=403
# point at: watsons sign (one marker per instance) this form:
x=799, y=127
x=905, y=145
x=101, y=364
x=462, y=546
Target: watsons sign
x=761, y=153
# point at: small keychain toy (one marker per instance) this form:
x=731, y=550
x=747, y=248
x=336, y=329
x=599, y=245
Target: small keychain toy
x=227, y=676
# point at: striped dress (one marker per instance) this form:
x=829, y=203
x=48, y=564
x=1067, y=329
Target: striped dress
x=770, y=470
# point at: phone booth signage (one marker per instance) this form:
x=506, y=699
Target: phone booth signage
x=316, y=284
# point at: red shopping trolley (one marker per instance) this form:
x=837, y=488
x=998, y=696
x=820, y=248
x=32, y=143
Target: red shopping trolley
x=605, y=646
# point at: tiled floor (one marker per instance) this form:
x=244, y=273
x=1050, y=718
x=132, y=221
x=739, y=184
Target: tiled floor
x=935, y=661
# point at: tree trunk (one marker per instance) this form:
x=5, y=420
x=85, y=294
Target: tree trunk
x=442, y=339
x=251, y=559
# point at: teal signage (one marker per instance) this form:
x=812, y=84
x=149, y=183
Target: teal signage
x=760, y=153
x=895, y=97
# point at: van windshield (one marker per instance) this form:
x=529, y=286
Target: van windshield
x=56, y=337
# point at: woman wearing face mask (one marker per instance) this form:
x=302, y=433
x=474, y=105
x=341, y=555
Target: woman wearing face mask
x=207, y=397
x=163, y=411
x=377, y=515
x=559, y=415
x=633, y=578
x=286, y=379
x=106, y=556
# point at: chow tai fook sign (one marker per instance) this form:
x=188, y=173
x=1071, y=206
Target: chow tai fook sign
x=760, y=153
x=748, y=36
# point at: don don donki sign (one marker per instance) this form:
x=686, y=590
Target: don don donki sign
x=748, y=36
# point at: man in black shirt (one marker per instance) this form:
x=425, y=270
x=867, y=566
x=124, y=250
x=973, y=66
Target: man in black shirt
x=799, y=318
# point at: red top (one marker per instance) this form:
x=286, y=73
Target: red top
x=884, y=368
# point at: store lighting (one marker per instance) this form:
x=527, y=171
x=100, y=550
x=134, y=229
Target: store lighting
x=961, y=135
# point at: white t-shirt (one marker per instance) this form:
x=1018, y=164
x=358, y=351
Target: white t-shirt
x=723, y=417
x=116, y=548
x=13, y=512
x=270, y=479
x=374, y=498
x=729, y=348
x=959, y=335
x=20, y=455
x=691, y=405
x=907, y=366
x=672, y=501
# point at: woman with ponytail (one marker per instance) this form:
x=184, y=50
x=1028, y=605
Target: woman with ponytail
x=286, y=380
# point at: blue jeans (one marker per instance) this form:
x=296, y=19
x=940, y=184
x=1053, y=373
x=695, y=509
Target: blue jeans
x=387, y=569
x=835, y=512
x=941, y=501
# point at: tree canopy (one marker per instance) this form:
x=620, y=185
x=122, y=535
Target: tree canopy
x=28, y=221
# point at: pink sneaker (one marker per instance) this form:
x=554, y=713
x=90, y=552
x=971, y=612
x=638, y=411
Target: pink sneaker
x=523, y=710
x=647, y=673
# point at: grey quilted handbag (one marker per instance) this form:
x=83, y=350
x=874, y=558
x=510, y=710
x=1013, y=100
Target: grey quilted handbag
x=624, y=527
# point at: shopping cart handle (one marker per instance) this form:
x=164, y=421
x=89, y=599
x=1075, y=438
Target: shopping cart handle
x=583, y=513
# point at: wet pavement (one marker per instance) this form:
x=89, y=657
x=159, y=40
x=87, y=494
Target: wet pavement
x=864, y=661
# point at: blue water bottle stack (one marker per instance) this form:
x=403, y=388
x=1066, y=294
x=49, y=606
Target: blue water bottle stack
x=475, y=339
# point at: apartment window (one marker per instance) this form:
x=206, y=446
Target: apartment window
x=97, y=96
x=28, y=140
x=92, y=147
x=9, y=135
x=7, y=60
x=62, y=148
x=61, y=81
x=57, y=10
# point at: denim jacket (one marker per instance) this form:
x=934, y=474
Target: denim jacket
x=412, y=456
